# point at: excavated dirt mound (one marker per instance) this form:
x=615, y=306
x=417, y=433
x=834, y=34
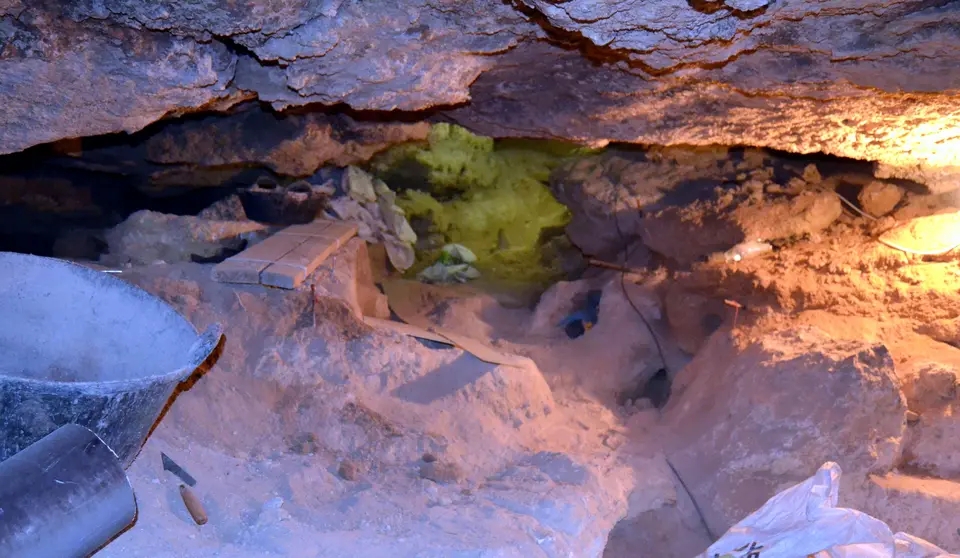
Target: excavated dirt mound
x=316, y=435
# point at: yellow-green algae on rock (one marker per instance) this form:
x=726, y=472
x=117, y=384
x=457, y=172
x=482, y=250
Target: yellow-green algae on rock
x=490, y=196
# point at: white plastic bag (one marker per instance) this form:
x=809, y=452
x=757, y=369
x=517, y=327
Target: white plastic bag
x=804, y=521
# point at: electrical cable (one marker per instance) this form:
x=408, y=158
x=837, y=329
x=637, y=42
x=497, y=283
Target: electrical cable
x=696, y=507
x=623, y=286
x=851, y=205
x=918, y=252
x=892, y=245
x=627, y=249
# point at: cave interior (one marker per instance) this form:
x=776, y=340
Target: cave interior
x=750, y=207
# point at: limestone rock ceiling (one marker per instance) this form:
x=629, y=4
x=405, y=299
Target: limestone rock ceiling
x=875, y=80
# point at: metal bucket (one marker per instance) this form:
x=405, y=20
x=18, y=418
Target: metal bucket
x=63, y=497
x=81, y=346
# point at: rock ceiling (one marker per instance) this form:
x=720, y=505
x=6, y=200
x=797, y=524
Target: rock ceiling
x=869, y=79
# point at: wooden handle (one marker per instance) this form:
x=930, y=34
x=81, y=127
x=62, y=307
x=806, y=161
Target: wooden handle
x=193, y=505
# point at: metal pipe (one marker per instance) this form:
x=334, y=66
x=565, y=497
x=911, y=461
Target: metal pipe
x=64, y=496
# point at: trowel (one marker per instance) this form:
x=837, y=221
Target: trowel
x=169, y=465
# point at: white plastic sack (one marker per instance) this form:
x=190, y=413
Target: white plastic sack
x=804, y=521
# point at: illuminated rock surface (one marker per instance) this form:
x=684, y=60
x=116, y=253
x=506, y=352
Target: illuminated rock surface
x=869, y=80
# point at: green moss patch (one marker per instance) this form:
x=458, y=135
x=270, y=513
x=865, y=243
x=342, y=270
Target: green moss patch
x=489, y=196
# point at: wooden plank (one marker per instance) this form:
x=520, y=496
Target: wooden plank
x=286, y=259
x=339, y=233
x=271, y=249
x=403, y=297
x=282, y=276
x=481, y=350
x=236, y=271
x=344, y=230
x=405, y=329
x=314, y=228
x=293, y=268
x=407, y=298
x=246, y=266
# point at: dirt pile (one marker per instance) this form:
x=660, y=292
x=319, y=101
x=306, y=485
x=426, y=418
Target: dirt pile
x=317, y=434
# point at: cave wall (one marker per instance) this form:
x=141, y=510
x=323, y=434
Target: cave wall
x=874, y=80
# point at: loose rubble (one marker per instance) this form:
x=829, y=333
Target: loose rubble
x=371, y=203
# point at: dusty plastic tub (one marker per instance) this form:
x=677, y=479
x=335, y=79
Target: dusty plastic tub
x=81, y=346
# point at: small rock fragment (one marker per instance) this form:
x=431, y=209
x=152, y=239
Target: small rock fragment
x=643, y=404
x=811, y=174
x=229, y=208
x=303, y=444
x=274, y=503
x=441, y=473
x=879, y=198
x=613, y=440
x=429, y=457
x=348, y=470
x=795, y=186
x=912, y=417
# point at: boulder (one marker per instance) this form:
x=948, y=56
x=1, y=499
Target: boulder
x=79, y=244
x=556, y=303
x=931, y=385
x=147, y=237
x=616, y=356
x=925, y=508
x=349, y=277
x=626, y=184
x=229, y=208
x=805, y=214
x=879, y=198
x=687, y=238
x=748, y=420
x=293, y=145
x=787, y=75
x=945, y=330
x=928, y=385
x=693, y=232
x=932, y=448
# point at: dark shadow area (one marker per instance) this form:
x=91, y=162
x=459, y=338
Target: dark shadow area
x=76, y=189
x=714, y=6
x=657, y=389
x=689, y=192
x=445, y=380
